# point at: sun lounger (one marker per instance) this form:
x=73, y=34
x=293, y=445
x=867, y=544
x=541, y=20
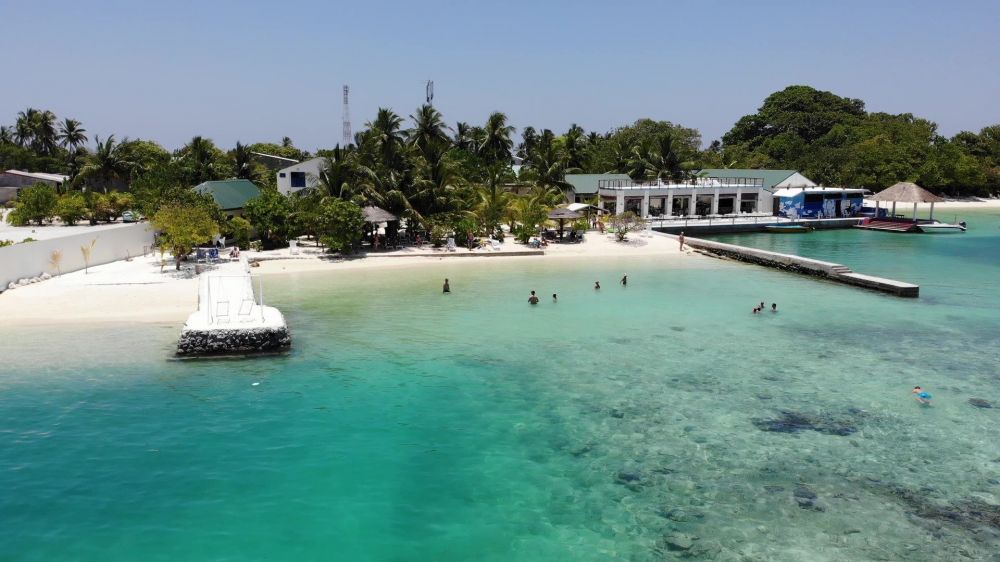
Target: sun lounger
x=222, y=312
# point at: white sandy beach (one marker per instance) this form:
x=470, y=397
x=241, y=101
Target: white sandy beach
x=923, y=208
x=136, y=290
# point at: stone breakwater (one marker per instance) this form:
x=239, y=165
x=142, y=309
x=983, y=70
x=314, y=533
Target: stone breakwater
x=232, y=341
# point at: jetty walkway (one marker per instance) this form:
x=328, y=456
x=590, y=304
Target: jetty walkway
x=805, y=266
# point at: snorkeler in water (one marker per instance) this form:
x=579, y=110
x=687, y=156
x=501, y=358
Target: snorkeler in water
x=922, y=396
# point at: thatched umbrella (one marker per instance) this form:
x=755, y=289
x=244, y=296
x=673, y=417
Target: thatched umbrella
x=376, y=214
x=563, y=215
x=906, y=192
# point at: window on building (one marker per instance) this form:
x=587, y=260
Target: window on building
x=814, y=198
x=281, y=174
x=633, y=204
x=298, y=179
x=726, y=204
x=748, y=203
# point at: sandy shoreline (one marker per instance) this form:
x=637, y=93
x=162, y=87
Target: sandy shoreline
x=137, y=292
x=984, y=204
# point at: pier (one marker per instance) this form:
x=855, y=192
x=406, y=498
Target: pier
x=743, y=223
x=231, y=318
x=805, y=266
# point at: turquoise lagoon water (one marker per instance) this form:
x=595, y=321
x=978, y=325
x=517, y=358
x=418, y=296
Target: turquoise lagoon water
x=410, y=425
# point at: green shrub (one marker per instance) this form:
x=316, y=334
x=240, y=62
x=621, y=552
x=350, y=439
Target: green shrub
x=71, y=208
x=240, y=229
x=36, y=203
x=6, y=243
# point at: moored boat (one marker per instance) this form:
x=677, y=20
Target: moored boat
x=938, y=227
x=788, y=228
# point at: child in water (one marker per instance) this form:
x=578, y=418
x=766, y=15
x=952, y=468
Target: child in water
x=922, y=396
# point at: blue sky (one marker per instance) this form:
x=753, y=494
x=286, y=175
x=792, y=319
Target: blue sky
x=252, y=70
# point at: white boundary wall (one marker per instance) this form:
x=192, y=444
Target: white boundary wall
x=31, y=259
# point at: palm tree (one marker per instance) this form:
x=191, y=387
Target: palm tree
x=199, y=158
x=243, y=162
x=549, y=168
x=37, y=130
x=6, y=135
x=108, y=163
x=286, y=142
x=656, y=159
x=435, y=189
x=497, y=143
x=529, y=141
x=337, y=176
x=464, y=138
x=72, y=135
x=574, y=143
x=428, y=127
x=386, y=137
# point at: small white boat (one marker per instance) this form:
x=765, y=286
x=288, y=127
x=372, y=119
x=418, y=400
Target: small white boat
x=938, y=227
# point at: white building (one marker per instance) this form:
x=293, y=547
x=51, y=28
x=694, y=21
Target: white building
x=300, y=176
x=12, y=181
x=715, y=192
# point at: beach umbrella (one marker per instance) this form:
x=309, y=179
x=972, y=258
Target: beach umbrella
x=562, y=215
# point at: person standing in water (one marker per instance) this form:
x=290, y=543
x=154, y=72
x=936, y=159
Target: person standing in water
x=625, y=280
x=533, y=299
x=447, y=287
x=774, y=307
x=681, y=240
x=922, y=396
x=597, y=285
x=555, y=298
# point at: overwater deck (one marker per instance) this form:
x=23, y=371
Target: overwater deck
x=738, y=224
x=806, y=266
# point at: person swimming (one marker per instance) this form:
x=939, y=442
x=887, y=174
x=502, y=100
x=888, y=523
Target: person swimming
x=533, y=299
x=774, y=307
x=447, y=287
x=555, y=297
x=922, y=396
x=624, y=280
x=597, y=284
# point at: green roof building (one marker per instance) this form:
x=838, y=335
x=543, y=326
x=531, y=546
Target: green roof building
x=773, y=179
x=586, y=185
x=230, y=195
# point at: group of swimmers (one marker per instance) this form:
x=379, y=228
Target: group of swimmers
x=533, y=298
x=760, y=309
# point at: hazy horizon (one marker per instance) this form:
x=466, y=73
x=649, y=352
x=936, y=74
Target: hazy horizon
x=251, y=72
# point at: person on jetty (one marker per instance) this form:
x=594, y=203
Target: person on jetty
x=624, y=280
x=533, y=299
x=597, y=285
x=922, y=396
x=447, y=287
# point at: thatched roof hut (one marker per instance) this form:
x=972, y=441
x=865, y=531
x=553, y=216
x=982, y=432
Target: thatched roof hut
x=907, y=192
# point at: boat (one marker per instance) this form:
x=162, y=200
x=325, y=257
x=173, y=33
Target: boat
x=788, y=228
x=938, y=227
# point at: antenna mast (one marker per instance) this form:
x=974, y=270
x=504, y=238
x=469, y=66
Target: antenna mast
x=348, y=136
x=430, y=92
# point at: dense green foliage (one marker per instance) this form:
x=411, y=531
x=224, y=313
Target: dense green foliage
x=834, y=141
x=459, y=179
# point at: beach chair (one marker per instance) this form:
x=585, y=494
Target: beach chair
x=200, y=255
x=246, y=307
x=451, y=245
x=213, y=255
x=222, y=312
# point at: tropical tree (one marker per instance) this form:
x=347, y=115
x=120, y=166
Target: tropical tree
x=108, y=163
x=497, y=143
x=656, y=159
x=243, y=165
x=341, y=224
x=385, y=136
x=428, y=128
x=269, y=213
x=183, y=227
x=35, y=203
x=202, y=161
x=70, y=208
x=338, y=174
x=72, y=135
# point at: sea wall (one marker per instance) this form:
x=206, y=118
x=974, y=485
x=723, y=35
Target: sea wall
x=233, y=341
x=30, y=259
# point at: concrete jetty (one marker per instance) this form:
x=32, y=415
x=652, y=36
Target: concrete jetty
x=806, y=266
x=232, y=319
